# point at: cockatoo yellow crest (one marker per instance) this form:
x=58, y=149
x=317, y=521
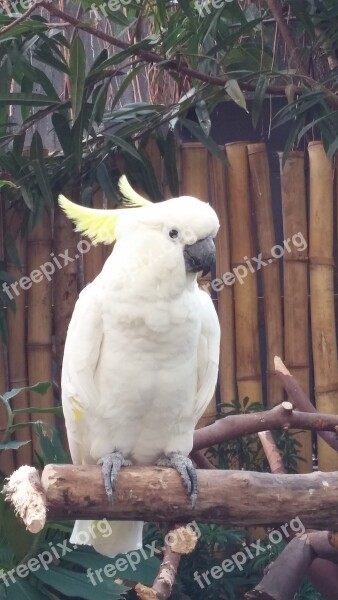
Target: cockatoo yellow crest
x=99, y=225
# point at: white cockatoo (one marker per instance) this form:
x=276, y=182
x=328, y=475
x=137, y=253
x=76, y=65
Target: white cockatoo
x=141, y=355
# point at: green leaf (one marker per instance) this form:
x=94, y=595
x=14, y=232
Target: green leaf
x=144, y=571
x=99, y=60
x=27, y=26
x=77, y=68
x=47, y=57
x=106, y=184
x=18, y=144
x=36, y=149
x=38, y=164
x=125, y=146
x=22, y=590
x=78, y=585
x=208, y=142
x=5, y=78
x=332, y=149
x=126, y=83
x=51, y=445
x=31, y=100
x=4, y=183
x=234, y=91
x=258, y=98
x=63, y=132
x=54, y=410
x=26, y=88
x=13, y=445
x=39, y=388
x=99, y=104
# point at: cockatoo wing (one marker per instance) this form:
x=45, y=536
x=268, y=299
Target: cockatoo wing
x=208, y=355
x=81, y=355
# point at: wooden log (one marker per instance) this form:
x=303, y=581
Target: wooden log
x=296, y=283
x=324, y=344
x=236, y=498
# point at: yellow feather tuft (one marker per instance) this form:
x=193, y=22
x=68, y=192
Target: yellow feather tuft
x=99, y=225
x=130, y=197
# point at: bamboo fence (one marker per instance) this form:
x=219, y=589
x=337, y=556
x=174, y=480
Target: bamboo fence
x=254, y=329
x=296, y=282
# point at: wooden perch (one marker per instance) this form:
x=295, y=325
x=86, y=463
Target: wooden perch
x=322, y=573
x=237, y=498
x=298, y=397
x=184, y=540
x=284, y=575
x=25, y=492
x=280, y=417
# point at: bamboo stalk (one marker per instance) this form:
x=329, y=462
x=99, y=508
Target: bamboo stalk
x=39, y=315
x=260, y=181
x=65, y=290
x=17, y=359
x=225, y=301
x=7, y=463
x=94, y=260
x=194, y=182
x=248, y=371
x=296, y=314
x=324, y=345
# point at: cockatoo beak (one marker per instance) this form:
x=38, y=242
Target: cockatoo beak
x=200, y=256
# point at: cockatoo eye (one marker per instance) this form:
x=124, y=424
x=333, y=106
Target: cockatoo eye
x=174, y=234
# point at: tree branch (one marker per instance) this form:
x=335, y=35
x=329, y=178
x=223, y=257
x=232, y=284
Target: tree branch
x=301, y=401
x=271, y=451
x=280, y=417
x=290, y=42
x=22, y=17
x=183, y=542
x=295, y=560
x=321, y=572
x=152, y=57
x=237, y=498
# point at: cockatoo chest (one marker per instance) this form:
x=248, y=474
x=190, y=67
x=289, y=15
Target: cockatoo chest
x=147, y=376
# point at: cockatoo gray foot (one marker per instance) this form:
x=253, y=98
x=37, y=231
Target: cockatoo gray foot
x=111, y=465
x=185, y=468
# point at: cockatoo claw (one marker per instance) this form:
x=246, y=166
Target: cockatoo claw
x=185, y=468
x=111, y=465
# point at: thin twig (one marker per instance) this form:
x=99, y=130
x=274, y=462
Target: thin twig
x=22, y=17
x=290, y=42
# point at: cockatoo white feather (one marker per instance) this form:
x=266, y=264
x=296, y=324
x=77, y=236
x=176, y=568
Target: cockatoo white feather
x=141, y=355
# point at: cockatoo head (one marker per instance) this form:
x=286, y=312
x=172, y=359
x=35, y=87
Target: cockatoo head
x=176, y=234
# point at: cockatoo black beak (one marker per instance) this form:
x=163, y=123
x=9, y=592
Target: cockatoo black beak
x=200, y=256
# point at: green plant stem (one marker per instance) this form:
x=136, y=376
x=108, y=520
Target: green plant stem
x=10, y=418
